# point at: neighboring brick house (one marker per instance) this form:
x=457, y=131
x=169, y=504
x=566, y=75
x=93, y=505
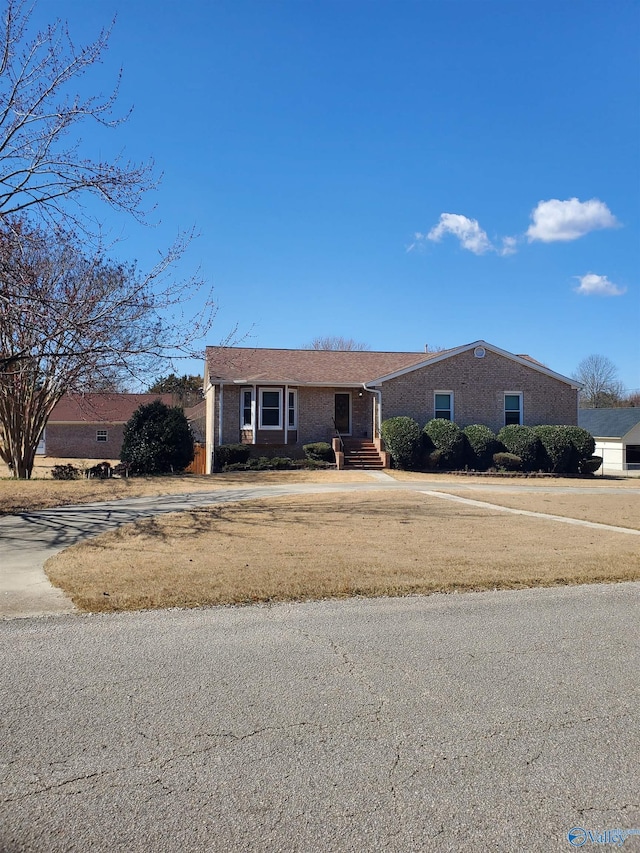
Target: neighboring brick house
x=280, y=399
x=91, y=426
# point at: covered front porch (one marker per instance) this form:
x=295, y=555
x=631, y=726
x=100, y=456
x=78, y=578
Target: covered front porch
x=281, y=418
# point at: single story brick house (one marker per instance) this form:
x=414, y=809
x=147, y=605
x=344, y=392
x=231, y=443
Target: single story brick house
x=91, y=426
x=277, y=400
x=617, y=435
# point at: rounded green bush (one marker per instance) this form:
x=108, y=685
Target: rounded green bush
x=582, y=440
x=558, y=454
x=590, y=466
x=401, y=437
x=523, y=442
x=157, y=440
x=507, y=461
x=232, y=454
x=448, y=438
x=480, y=447
x=319, y=451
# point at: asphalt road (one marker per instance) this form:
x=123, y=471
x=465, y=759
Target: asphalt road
x=485, y=722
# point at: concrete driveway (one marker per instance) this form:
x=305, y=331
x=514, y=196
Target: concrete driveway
x=29, y=539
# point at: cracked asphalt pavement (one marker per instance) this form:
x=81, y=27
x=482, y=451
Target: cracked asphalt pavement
x=489, y=721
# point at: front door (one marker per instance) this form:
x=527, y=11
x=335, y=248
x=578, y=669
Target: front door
x=342, y=416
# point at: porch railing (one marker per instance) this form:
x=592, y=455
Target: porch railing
x=335, y=426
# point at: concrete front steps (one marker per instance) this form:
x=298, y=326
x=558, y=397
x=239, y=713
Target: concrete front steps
x=362, y=454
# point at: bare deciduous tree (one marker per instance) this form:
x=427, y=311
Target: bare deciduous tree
x=601, y=387
x=335, y=342
x=70, y=322
x=42, y=165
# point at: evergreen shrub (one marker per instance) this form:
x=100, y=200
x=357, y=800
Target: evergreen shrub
x=558, y=453
x=507, y=461
x=319, y=451
x=401, y=436
x=232, y=454
x=523, y=442
x=447, y=437
x=157, y=440
x=481, y=444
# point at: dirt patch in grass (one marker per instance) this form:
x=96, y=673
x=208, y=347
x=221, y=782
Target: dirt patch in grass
x=622, y=510
x=30, y=495
x=350, y=544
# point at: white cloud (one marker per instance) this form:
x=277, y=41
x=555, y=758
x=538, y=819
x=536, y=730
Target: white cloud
x=468, y=232
x=556, y=220
x=509, y=246
x=598, y=285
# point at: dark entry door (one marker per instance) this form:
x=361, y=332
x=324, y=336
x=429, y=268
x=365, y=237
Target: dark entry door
x=342, y=415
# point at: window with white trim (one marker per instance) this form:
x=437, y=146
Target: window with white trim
x=102, y=435
x=246, y=408
x=512, y=407
x=443, y=405
x=271, y=408
x=292, y=409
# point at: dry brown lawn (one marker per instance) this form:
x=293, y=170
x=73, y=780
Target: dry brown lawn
x=374, y=543
x=30, y=495
x=618, y=510
x=538, y=482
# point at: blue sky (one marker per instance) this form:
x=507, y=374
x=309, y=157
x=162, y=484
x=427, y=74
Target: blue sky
x=401, y=173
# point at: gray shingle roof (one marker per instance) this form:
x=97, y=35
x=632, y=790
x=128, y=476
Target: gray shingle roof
x=608, y=423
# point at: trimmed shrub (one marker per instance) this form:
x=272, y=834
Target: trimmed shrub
x=448, y=438
x=101, y=471
x=583, y=442
x=507, y=461
x=589, y=466
x=401, y=438
x=232, y=454
x=523, y=442
x=434, y=459
x=270, y=463
x=319, y=451
x=65, y=472
x=558, y=453
x=481, y=444
x=157, y=440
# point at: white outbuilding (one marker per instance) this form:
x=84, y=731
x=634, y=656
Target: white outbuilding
x=617, y=435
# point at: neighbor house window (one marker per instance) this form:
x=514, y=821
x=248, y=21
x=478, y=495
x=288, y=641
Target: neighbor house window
x=632, y=456
x=271, y=409
x=513, y=408
x=246, y=408
x=101, y=435
x=443, y=405
x=292, y=407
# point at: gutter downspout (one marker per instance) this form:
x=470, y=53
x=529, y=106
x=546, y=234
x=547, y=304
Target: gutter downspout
x=378, y=419
x=209, y=439
x=220, y=415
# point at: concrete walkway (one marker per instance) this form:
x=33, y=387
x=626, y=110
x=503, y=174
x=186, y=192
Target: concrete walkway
x=28, y=540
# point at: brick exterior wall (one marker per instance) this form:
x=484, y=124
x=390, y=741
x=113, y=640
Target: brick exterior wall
x=78, y=441
x=479, y=386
